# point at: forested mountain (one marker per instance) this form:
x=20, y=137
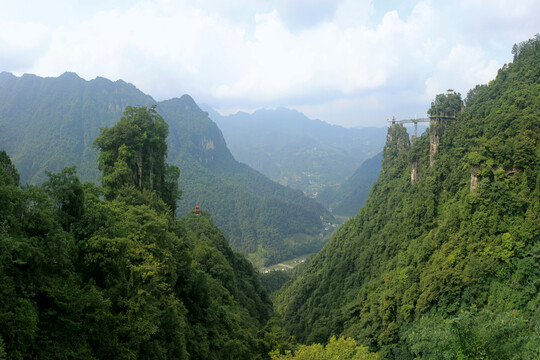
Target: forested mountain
x=346, y=199
x=290, y=148
x=86, y=278
x=260, y=217
x=49, y=123
x=443, y=260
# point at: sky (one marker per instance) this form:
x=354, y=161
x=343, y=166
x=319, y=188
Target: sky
x=346, y=62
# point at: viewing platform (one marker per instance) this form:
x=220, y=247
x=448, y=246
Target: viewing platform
x=415, y=121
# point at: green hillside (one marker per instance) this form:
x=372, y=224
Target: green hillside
x=260, y=217
x=49, y=123
x=347, y=198
x=443, y=260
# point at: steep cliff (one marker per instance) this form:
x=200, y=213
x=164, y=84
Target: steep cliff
x=440, y=267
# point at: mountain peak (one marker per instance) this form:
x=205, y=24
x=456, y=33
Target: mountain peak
x=185, y=102
x=189, y=102
x=7, y=75
x=70, y=75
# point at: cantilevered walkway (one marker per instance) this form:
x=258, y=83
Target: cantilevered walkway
x=415, y=121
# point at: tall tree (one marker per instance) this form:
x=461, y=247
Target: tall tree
x=133, y=152
x=446, y=104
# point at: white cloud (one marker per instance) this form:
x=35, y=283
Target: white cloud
x=343, y=57
x=354, y=13
x=20, y=43
x=462, y=69
x=202, y=52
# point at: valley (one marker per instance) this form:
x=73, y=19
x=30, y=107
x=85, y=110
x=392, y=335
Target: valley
x=286, y=265
x=288, y=147
x=136, y=228
x=259, y=216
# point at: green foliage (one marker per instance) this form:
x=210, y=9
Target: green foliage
x=68, y=195
x=472, y=334
x=403, y=275
x=526, y=47
x=275, y=279
x=347, y=198
x=446, y=105
x=85, y=278
x=133, y=152
x=10, y=175
x=3, y=355
x=342, y=348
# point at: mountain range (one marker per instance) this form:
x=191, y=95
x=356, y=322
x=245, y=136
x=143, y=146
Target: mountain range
x=347, y=198
x=442, y=261
x=292, y=149
x=49, y=123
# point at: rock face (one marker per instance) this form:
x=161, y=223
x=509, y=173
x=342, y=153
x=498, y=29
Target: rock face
x=208, y=144
x=433, y=142
x=474, y=177
x=397, y=134
x=414, y=171
x=397, y=147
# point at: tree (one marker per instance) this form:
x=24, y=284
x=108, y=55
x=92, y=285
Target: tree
x=8, y=173
x=342, y=348
x=448, y=105
x=473, y=334
x=67, y=193
x=133, y=152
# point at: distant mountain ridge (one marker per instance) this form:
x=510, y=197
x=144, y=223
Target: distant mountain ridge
x=50, y=123
x=294, y=150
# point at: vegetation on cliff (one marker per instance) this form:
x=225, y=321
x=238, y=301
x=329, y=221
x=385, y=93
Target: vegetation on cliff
x=347, y=198
x=446, y=265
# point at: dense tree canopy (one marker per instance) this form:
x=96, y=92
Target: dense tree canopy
x=87, y=278
x=347, y=198
x=342, y=348
x=446, y=105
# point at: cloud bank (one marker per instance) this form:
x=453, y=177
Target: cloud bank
x=346, y=62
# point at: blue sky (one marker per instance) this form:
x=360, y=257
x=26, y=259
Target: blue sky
x=347, y=62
